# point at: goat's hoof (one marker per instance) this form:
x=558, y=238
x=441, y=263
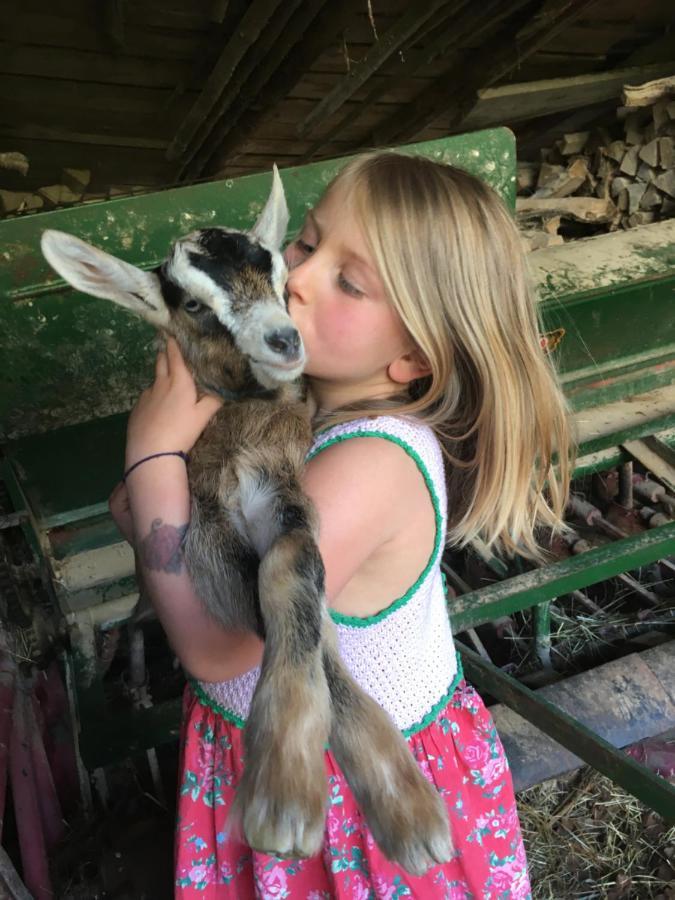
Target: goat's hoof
x=285, y=820
x=411, y=827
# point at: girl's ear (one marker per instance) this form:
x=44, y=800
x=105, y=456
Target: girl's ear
x=409, y=367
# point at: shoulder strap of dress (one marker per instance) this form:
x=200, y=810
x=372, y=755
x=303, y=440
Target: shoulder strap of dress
x=417, y=439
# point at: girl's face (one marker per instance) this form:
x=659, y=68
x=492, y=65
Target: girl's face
x=350, y=331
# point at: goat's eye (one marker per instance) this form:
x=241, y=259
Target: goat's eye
x=192, y=306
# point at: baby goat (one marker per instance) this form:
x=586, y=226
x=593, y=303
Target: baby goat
x=251, y=547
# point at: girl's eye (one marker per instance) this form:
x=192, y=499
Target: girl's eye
x=348, y=287
x=192, y=306
x=304, y=246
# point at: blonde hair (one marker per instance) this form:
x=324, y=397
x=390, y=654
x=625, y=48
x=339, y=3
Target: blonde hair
x=452, y=264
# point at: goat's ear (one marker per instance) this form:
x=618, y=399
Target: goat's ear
x=96, y=272
x=272, y=223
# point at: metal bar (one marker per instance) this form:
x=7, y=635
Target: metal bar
x=652, y=790
x=542, y=633
x=524, y=591
x=654, y=459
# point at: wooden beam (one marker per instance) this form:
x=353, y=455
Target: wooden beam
x=250, y=77
x=479, y=70
x=67, y=135
x=515, y=102
x=113, y=24
x=242, y=120
x=245, y=35
x=473, y=22
x=400, y=32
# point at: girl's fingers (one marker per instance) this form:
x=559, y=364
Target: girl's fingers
x=209, y=405
x=174, y=357
x=161, y=365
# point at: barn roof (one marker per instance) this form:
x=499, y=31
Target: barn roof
x=153, y=93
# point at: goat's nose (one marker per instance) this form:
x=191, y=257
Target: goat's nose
x=284, y=340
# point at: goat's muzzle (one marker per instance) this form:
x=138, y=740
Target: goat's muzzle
x=286, y=342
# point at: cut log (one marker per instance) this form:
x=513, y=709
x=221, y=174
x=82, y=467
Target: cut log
x=18, y=201
x=660, y=115
x=629, y=164
x=10, y=201
x=649, y=93
x=526, y=176
x=538, y=240
x=616, y=151
x=582, y=209
x=666, y=152
x=651, y=198
x=16, y=161
x=605, y=166
x=648, y=132
x=548, y=175
x=555, y=181
x=573, y=143
x=645, y=173
x=76, y=179
x=666, y=182
x=620, y=183
x=636, y=192
x=551, y=225
x=650, y=153
x=640, y=218
x=634, y=128
x=58, y=195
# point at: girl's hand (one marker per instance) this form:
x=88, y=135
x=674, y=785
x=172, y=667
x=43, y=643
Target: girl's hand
x=168, y=415
x=118, y=503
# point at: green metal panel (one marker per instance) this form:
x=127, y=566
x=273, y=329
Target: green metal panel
x=68, y=358
x=614, y=295
x=539, y=585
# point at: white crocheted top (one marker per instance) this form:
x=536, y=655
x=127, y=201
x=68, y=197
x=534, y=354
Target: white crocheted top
x=403, y=656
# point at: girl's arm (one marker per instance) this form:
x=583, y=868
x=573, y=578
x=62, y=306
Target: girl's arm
x=170, y=417
x=159, y=502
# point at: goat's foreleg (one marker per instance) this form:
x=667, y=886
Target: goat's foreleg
x=405, y=813
x=281, y=799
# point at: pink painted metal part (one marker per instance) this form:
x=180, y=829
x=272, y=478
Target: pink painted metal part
x=7, y=687
x=24, y=793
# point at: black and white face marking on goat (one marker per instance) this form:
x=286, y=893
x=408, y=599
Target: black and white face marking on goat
x=243, y=282
x=238, y=276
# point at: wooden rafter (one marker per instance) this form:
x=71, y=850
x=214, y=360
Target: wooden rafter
x=242, y=120
x=472, y=22
x=499, y=57
x=276, y=42
x=400, y=32
x=252, y=23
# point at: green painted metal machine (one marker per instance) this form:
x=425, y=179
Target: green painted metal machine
x=73, y=366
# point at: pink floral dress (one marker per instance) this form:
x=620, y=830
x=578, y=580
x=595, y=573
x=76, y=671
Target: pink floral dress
x=403, y=657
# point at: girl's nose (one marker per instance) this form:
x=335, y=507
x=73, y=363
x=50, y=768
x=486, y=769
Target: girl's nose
x=297, y=283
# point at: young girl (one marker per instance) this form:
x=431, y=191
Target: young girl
x=438, y=417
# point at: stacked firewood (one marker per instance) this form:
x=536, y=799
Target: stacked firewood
x=604, y=179
x=72, y=189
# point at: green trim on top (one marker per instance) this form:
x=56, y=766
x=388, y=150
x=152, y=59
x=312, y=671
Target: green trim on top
x=363, y=621
x=437, y=707
x=227, y=714
x=430, y=717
